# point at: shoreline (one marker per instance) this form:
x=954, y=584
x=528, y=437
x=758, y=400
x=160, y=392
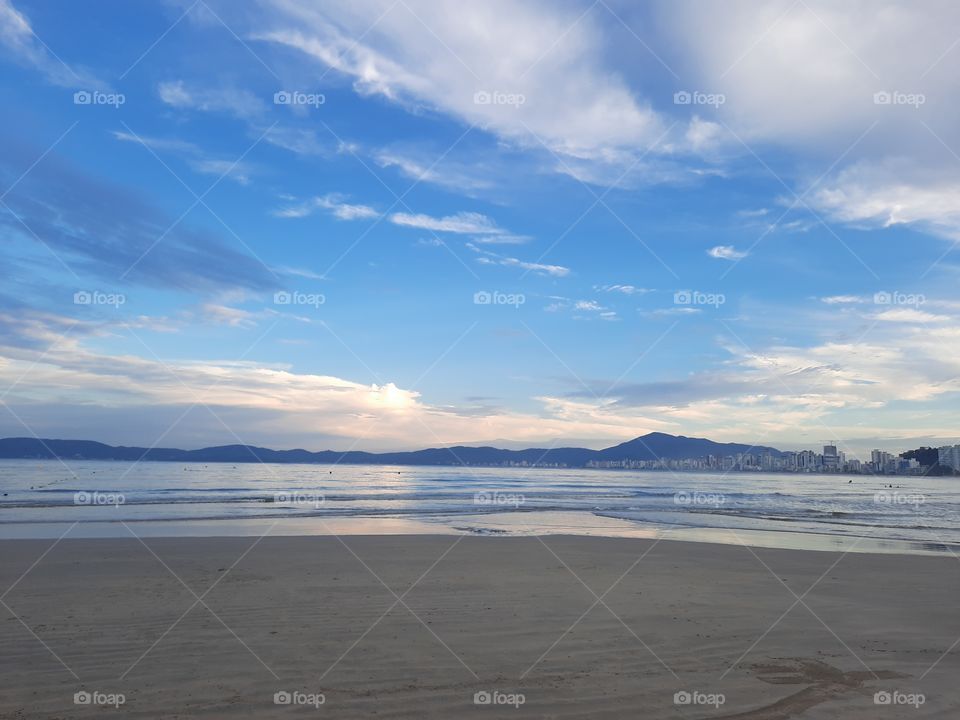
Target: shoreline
x=454, y=466
x=505, y=525
x=416, y=626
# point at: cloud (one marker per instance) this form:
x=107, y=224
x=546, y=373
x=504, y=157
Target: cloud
x=334, y=203
x=260, y=403
x=805, y=74
x=246, y=106
x=501, y=239
x=22, y=44
x=237, y=170
x=235, y=101
x=226, y=315
x=483, y=229
x=667, y=312
x=300, y=141
x=108, y=231
x=486, y=257
x=842, y=300
x=466, y=54
x=623, y=289
x=726, y=252
x=595, y=309
x=465, y=223
x=893, y=192
x=907, y=367
x=439, y=169
x=758, y=213
x=911, y=315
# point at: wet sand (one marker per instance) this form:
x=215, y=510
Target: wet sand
x=417, y=626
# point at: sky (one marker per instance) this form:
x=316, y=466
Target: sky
x=401, y=224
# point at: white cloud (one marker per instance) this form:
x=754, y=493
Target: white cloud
x=487, y=257
x=842, y=299
x=465, y=223
x=483, y=229
x=624, y=289
x=666, y=312
x=237, y=170
x=501, y=239
x=241, y=103
x=439, y=169
x=911, y=315
x=759, y=212
x=726, y=252
x=893, y=192
x=333, y=202
x=442, y=55
x=226, y=315
x=806, y=73
x=263, y=402
x=20, y=41
x=301, y=141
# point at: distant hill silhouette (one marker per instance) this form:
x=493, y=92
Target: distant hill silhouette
x=648, y=447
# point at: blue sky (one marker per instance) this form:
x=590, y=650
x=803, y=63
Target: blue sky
x=279, y=222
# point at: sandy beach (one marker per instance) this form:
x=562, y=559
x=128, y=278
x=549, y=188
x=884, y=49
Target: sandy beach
x=436, y=626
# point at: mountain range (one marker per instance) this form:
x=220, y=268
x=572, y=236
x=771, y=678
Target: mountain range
x=652, y=446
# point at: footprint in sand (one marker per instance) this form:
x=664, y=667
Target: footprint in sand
x=823, y=682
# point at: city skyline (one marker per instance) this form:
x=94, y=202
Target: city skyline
x=387, y=225
x=635, y=454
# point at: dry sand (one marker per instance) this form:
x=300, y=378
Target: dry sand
x=506, y=615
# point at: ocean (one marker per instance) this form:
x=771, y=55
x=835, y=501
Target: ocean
x=829, y=512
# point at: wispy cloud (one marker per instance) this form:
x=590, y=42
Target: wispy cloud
x=842, y=299
x=487, y=257
x=462, y=223
x=195, y=156
x=667, y=312
x=109, y=231
x=21, y=42
x=236, y=101
x=335, y=203
x=622, y=289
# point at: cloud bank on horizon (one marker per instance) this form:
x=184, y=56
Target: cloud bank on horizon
x=393, y=224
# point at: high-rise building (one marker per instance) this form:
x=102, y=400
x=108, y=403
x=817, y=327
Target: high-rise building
x=949, y=455
x=831, y=458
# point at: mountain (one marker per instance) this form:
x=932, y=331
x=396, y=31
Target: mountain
x=678, y=447
x=648, y=447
